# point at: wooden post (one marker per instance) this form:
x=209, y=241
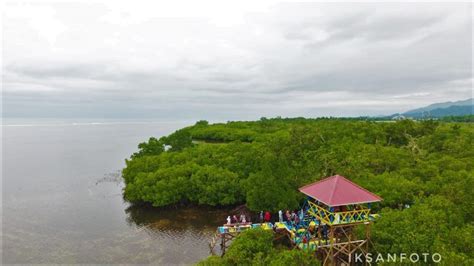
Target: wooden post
x=223, y=244
x=331, y=245
x=367, y=237
x=350, y=237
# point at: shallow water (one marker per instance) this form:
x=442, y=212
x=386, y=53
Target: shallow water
x=62, y=198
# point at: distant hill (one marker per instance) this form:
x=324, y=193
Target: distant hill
x=454, y=110
x=438, y=110
x=434, y=106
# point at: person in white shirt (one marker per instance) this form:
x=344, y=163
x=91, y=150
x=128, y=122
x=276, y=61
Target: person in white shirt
x=242, y=218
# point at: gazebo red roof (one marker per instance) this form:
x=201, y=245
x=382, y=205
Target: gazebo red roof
x=337, y=191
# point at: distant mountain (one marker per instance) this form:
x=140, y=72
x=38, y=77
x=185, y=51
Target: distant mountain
x=441, y=105
x=437, y=110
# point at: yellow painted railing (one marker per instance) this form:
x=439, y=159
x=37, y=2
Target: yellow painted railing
x=320, y=213
x=333, y=218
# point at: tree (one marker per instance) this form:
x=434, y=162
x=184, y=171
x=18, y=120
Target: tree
x=255, y=247
x=250, y=247
x=293, y=257
x=179, y=140
x=426, y=164
x=152, y=147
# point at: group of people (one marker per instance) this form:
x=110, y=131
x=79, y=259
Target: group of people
x=294, y=217
x=238, y=220
x=315, y=229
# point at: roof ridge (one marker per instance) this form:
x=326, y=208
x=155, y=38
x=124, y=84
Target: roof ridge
x=373, y=194
x=319, y=181
x=334, y=186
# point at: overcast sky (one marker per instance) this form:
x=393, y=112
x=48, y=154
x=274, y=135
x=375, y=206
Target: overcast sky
x=221, y=60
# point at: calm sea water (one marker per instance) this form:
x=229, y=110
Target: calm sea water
x=62, y=198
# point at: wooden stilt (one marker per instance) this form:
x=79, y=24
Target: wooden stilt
x=223, y=244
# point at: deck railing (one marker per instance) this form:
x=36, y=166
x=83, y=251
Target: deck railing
x=334, y=218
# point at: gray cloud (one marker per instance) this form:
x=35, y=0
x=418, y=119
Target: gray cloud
x=286, y=59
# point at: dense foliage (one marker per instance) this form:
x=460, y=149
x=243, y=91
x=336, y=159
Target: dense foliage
x=427, y=165
x=255, y=247
x=462, y=118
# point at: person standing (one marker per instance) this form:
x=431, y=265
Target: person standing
x=228, y=220
x=288, y=216
x=280, y=216
x=261, y=217
x=268, y=216
x=242, y=218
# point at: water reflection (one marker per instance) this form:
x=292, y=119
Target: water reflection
x=175, y=220
x=185, y=231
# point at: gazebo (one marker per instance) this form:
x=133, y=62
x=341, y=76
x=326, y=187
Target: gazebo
x=336, y=200
x=339, y=205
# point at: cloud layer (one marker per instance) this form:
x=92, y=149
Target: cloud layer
x=207, y=60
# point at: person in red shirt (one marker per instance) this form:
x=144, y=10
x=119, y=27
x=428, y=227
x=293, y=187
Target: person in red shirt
x=305, y=239
x=267, y=216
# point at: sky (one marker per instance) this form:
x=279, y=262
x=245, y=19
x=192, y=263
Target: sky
x=231, y=60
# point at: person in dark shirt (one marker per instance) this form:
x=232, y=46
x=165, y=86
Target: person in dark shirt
x=235, y=219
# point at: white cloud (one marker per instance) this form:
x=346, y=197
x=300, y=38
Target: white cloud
x=196, y=58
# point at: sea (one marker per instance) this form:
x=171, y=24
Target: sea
x=62, y=197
